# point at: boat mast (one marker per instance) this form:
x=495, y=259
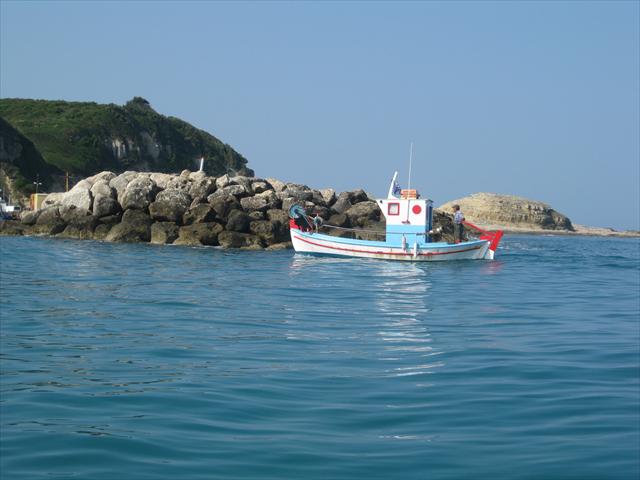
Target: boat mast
x=410, y=159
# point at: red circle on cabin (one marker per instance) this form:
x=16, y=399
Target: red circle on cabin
x=416, y=209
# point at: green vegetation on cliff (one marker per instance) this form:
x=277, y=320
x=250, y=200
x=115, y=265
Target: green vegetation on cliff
x=84, y=138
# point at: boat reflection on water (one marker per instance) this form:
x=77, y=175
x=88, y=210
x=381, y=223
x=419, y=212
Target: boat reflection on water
x=403, y=302
x=387, y=302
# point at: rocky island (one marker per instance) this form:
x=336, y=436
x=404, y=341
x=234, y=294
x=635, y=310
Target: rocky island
x=122, y=163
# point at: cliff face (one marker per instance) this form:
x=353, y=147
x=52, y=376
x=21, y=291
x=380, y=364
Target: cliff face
x=21, y=164
x=509, y=211
x=84, y=138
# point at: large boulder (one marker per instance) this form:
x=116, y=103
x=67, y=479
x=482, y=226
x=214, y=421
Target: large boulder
x=82, y=228
x=277, y=185
x=29, y=217
x=199, y=234
x=104, y=205
x=342, y=203
x=162, y=179
x=135, y=227
x=261, y=202
x=164, y=232
x=104, y=199
x=201, y=187
x=238, y=221
x=202, y=213
x=328, y=195
x=238, y=191
x=243, y=181
x=139, y=194
x=105, y=176
x=357, y=196
x=223, y=205
x=53, y=199
x=49, y=222
x=363, y=213
x=79, y=196
x=170, y=205
x=509, y=211
x=260, y=186
x=119, y=183
x=270, y=231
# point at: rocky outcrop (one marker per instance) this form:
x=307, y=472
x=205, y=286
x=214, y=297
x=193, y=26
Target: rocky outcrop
x=509, y=212
x=190, y=208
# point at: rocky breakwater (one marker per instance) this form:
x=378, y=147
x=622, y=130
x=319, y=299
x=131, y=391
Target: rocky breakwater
x=191, y=208
x=509, y=212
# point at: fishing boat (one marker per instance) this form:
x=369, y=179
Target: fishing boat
x=409, y=234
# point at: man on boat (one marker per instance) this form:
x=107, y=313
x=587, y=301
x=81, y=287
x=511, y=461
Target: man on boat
x=458, y=227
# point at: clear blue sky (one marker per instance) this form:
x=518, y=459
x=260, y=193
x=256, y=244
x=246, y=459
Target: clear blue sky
x=539, y=99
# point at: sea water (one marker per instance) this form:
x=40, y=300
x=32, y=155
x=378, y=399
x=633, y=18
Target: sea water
x=153, y=362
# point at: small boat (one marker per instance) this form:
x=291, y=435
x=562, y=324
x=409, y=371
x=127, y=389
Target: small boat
x=409, y=234
x=8, y=212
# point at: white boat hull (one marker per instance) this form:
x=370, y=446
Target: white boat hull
x=315, y=243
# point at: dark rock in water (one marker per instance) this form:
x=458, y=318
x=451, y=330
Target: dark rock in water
x=134, y=227
x=199, y=234
x=111, y=219
x=101, y=231
x=270, y=232
x=170, y=205
x=238, y=221
x=78, y=232
x=229, y=239
x=203, y=213
x=12, y=227
x=164, y=232
x=49, y=222
x=280, y=246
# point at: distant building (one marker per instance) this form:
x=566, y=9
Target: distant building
x=35, y=202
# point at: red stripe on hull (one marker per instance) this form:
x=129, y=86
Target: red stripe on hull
x=428, y=254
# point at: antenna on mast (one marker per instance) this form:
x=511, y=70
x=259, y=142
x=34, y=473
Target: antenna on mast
x=410, y=159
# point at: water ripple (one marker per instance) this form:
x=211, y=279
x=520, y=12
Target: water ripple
x=153, y=362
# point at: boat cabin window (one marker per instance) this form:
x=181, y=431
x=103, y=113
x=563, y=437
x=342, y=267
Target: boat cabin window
x=393, y=209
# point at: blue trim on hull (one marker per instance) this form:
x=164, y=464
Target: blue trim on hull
x=423, y=246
